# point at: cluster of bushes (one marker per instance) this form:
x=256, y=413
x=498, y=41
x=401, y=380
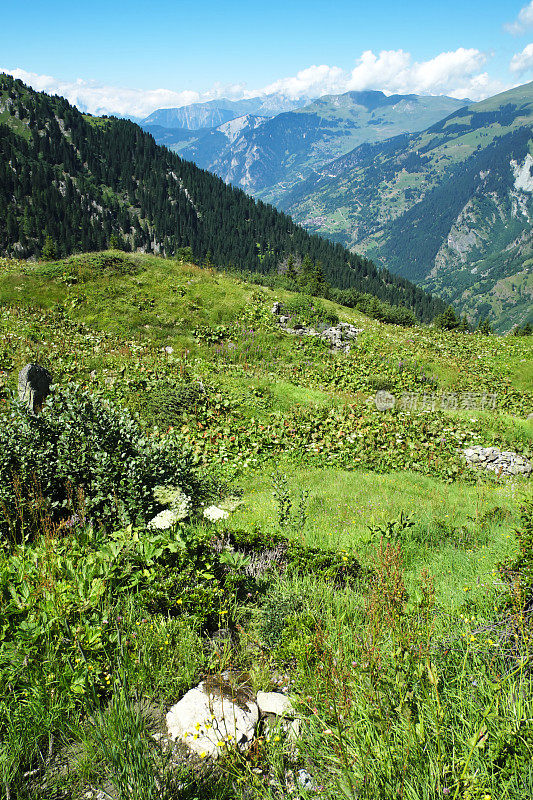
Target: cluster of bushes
x=306, y=311
x=374, y=308
x=81, y=445
x=525, y=330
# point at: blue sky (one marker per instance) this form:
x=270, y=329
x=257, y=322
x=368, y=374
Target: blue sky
x=133, y=57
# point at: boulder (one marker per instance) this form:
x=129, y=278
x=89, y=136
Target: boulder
x=503, y=463
x=34, y=384
x=275, y=703
x=207, y=721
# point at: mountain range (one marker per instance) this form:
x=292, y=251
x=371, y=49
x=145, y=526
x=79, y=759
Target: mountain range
x=76, y=183
x=198, y=116
x=436, y=189
x=449, y=208
x=268, y=154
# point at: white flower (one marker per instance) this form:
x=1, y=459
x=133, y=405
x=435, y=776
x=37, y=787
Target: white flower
x=164, y=520
x=214, y=513
x=180, y=504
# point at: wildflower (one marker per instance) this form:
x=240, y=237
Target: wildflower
x=214, y=513
x=164, y=520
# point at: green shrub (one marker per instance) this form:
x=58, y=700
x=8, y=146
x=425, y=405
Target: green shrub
x=82, y=443
x=305, y=310
x=161, y=401
x=282, y=554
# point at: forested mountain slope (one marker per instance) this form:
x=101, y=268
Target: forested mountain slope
x=450, y=208
x=86, y=182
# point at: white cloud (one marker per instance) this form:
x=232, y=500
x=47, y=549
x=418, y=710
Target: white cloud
x=522, y=62
x=523, y=21
x=455, y=73
x=97, y=98
x=311, y=82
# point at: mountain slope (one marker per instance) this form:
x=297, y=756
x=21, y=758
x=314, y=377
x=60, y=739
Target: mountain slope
x=450, y=208
x=267, y=159
x=85, y=182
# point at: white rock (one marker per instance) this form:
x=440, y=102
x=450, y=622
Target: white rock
x=206, y=723
x=275, y=703
x=305, y=780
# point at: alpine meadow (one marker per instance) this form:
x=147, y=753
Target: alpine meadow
x=266, y=403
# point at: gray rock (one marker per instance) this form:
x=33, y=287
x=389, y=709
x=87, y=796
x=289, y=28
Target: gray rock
x=275, y=703
x=306, y=781
x=506, y=463
x=34, y=386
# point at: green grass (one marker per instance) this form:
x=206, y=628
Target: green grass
x=362, y=656
x=451, y=537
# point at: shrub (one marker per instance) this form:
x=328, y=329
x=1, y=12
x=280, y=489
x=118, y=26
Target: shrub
x=80, y=442
x=305, y=310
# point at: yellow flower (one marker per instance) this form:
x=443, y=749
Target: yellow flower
x=203, y=754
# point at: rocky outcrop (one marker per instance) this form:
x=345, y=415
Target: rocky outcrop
x=207, y=720
x=338, y=336
x=501, y=462
x=34, y=386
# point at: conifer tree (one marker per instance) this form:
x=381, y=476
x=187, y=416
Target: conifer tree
x=291, y=270
x=484, y=327
x=49, y=251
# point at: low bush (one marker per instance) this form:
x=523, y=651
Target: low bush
x=271, y=551
x=307, y=311
x=81, y=446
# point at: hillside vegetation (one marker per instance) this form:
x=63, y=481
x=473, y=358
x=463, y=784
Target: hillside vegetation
x=83, y=183
x=356, y=559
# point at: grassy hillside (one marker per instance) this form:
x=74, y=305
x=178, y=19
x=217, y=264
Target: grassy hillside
x=384, y=583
